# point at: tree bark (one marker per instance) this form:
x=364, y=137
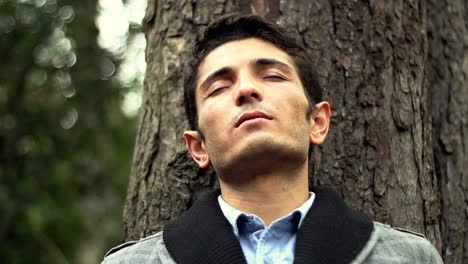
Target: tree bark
x=448, y=77
x=372, y=60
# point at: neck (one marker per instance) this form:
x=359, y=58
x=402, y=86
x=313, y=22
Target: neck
x=269, y=195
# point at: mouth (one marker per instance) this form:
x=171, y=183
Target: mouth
x=249, y=116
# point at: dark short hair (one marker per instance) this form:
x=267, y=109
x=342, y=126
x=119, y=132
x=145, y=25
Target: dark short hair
x=236, y=26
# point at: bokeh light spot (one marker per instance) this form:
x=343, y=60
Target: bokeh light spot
x=69, y=119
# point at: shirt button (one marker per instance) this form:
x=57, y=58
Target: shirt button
x=257, y=235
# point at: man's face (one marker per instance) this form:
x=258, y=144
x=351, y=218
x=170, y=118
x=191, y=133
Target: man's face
x=251, y=107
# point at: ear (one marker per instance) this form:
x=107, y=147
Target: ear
x=196, y=147
x=319, y=123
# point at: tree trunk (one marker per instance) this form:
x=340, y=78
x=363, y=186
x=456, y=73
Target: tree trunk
x=371, y=57
x=448, y=78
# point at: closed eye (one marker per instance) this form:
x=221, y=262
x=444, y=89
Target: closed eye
x=219, y=86
x=274, y=78
x=217, y=90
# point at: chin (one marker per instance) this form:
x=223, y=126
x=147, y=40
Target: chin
x=267, y=151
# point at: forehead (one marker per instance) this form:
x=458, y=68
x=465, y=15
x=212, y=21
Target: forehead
x=239, y=53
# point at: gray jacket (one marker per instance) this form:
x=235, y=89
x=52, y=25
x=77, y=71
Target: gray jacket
x=386, y=245
x=331, y=233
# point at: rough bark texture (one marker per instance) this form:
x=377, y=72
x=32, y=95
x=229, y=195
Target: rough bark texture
x=448, y=78
x=371, y=57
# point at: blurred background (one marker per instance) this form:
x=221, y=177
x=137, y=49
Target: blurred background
x=70, y=80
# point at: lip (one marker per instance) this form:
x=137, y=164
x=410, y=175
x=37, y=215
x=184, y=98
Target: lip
x=252, y=115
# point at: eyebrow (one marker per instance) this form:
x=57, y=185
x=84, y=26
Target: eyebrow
x=271, y=62
x=257, y=62
x=215, y=75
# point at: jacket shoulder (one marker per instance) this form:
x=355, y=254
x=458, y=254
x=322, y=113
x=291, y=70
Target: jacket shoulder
x=150, y=249
x=396, y=245
x=405, y=231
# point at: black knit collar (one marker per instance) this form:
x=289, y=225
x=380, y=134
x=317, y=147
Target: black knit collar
x=331, y=233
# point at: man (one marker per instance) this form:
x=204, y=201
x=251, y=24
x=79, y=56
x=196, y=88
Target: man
x=256, y=111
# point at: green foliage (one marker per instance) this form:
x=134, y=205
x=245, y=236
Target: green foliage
x=65, y=143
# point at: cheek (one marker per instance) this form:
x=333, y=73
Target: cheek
x=295, y=104
x=211, y=118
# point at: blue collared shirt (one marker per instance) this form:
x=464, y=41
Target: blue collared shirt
x=261, y=244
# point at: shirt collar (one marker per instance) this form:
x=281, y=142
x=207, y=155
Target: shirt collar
x=232, y=214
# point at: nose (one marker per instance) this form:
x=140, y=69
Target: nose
x=247, y=92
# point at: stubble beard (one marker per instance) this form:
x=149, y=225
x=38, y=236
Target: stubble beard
x=267, y=155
